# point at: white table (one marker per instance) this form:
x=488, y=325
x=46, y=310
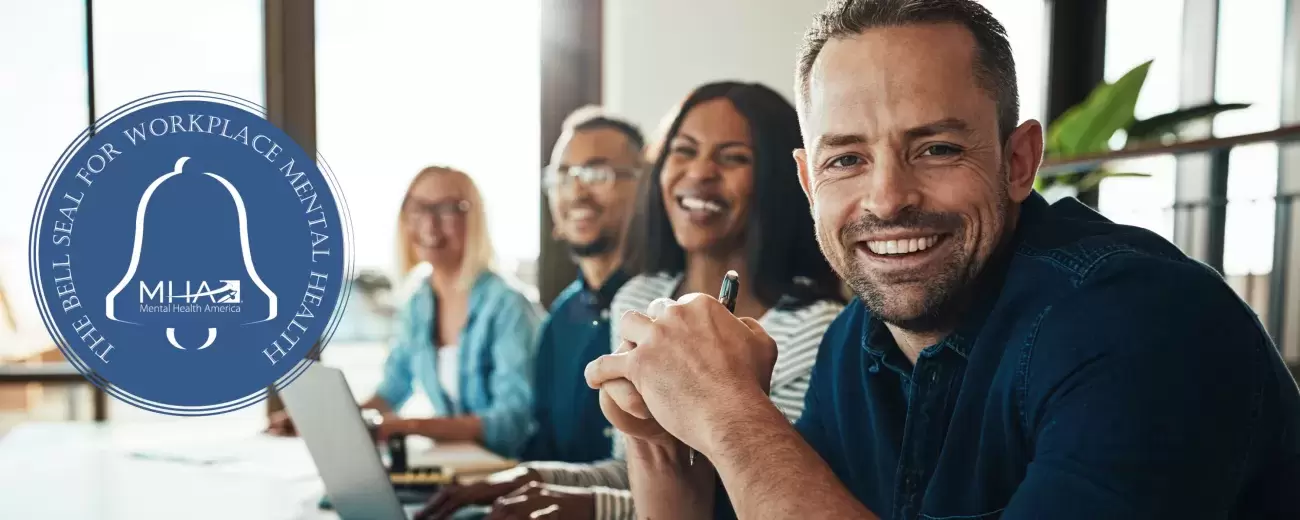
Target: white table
x=147, y=471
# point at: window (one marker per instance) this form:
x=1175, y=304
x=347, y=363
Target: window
x=141, y=48
x=401, y=86
x=1135, y=33
x=1026, y=24
x=45, y=46
x=144, y=47
x=1248, y=70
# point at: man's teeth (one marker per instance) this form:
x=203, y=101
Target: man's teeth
x=694, y=204
x=901, y=247
x=581, y=213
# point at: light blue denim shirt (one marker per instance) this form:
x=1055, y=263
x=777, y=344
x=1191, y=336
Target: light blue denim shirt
x=497, y=350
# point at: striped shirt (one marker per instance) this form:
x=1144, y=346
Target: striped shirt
x=797, y=332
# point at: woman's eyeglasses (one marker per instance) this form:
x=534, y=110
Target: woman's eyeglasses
x=442, y=210
x=561, y=176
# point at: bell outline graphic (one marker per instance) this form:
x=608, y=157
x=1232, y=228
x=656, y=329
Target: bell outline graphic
x=139, y=241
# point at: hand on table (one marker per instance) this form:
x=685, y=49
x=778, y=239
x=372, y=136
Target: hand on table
x=684, y=364
x=452, y=497
x=538, y=500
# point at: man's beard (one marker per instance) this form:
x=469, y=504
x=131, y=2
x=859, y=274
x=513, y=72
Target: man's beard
x=601, y=245
x=943, y=294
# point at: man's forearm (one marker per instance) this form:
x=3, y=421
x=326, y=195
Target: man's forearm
x=770, y=472
x=664, y=486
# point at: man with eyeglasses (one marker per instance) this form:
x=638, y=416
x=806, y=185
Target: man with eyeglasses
x=590, y=186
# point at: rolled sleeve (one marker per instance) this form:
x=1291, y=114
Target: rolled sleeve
x=398, y=381
x=395, y=388
x=508, y=422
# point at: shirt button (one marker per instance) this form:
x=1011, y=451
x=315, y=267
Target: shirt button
x=595, y=323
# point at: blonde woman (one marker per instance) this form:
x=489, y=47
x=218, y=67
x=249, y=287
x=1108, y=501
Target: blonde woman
x=466, y=336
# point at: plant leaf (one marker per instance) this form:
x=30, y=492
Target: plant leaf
x=1054, y=145
x=1168, y=123
x=1061, y=134
x=1109, y=108
x=1114, y=111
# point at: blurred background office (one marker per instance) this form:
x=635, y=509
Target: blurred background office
x=384, y=88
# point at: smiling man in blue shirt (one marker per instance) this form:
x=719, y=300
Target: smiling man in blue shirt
x=1006, y=358
x=590, y=187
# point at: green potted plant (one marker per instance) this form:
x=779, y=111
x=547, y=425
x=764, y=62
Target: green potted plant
x=1090, y=126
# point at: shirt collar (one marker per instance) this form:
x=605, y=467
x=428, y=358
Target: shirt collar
x=602, y=297
x=877, y=341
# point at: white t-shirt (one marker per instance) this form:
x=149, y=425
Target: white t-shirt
x=449, y=374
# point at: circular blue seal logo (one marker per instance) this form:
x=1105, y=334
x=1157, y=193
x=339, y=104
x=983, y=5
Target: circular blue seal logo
x=187, y=255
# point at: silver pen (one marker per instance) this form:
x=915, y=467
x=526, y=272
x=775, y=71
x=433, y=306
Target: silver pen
x=727, y=296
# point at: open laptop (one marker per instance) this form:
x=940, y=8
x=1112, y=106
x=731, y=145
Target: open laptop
x=329, y=420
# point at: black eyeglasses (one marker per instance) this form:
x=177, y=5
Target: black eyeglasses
x=598, y=175
x=442, y=210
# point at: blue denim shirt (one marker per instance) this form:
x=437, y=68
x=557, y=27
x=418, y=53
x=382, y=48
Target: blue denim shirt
x=497, y=347
x=570, y=425
x=1100, y=374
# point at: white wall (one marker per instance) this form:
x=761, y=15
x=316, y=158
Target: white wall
x=657, y=51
